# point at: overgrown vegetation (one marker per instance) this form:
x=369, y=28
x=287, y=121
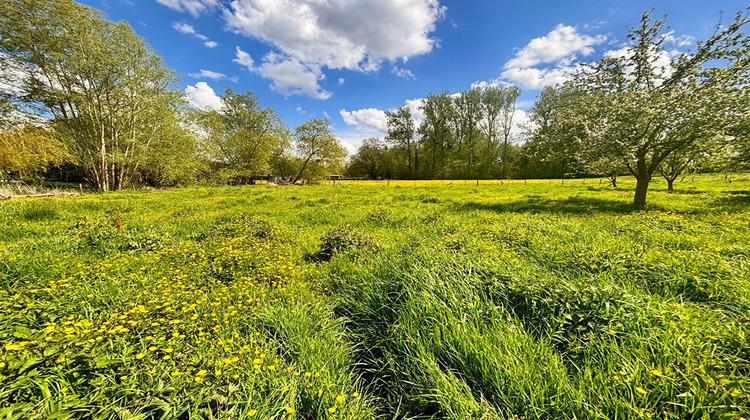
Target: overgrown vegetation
x=498, y=301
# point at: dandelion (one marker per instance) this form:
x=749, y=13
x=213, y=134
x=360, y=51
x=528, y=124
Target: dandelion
x=656, y=372
x=355, y=394
x=140, y=356
x=640, y=390
x=340, y=398
x=289, y=410
x=332, y=410
x=252, y=412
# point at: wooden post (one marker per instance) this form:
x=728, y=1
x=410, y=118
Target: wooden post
x=80, y=188
x=524, y=182
x=388, y=183
x=477, y=182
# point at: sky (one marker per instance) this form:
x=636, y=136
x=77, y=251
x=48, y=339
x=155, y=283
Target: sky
x=351, y=60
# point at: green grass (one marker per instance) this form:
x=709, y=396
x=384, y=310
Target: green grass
x=365, y=301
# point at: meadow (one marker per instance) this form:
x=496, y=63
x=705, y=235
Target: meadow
x=413, y=300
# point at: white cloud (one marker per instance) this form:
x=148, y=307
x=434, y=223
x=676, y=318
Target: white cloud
x=188, y=29
x=562, y=43
x=534, y=78
x=194, y=7
x=184, y=28
x=244, y=59
x=341, y=80
x=288, y=76
x=203, y=97
x=370, y=120
x=338, y=34
x=547, y=60
x=405, y=73
x=203, y=74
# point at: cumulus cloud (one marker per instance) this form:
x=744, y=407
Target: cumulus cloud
x=547, y=60
x=562, y=43
x=369, y=119
x=203, y=97
x=288, y=76
x=211, y=44
x=337, y=34
x=194, y=7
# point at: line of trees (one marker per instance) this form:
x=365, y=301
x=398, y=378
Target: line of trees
x=644, y=111
x=91, y=93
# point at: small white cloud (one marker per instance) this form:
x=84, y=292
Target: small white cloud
x=203, y=74
x=194, y=7
x=184, y=28
x=406, y=74
x=341, y=80
x=211, y=44
x=370, y=119
x=325, y=114
x=243, y=58
x=203, y=97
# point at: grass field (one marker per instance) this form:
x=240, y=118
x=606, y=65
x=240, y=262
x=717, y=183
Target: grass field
x=527, y=301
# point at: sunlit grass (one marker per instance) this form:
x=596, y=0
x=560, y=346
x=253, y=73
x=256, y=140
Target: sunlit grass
x=541, y=299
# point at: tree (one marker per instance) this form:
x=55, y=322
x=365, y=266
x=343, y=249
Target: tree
x=437, y=137
x=640, y=111
x=370, y=159
x=29, y=150
x=468, y=113
x=401, y=134
x=556, y=130
x=242, y=136
x=507, y=100
x=108, y=94
x=317, y=148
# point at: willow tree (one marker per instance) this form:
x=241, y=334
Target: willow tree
x=643, y=104
x=317, y=149
x=242, y=136
x=105, y=90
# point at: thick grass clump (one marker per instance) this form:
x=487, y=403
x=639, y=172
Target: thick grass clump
x=523, y=300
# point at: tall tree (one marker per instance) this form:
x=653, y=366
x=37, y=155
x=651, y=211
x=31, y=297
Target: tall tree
x=317, y=149
x=29, y=150
x=641, y=111
x=242, y=136
x=508, y=97
x=401, y=134
x=437, y=136
x=468, y=113
x=105, y=89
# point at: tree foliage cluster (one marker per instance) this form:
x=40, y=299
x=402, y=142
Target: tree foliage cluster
x=106, y=103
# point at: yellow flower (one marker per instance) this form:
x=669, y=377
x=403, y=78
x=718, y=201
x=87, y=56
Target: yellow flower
x=176, y=374
x=140, y=356
x=355, y=394
x=289, y=410
x=332, y=410
x=169, y=350
x=640, y=390
x=217, y=372
x=340, y=398
x=252, y=412
x=167, y=357
x=152, y=348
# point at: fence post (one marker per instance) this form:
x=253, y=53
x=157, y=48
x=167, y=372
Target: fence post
x=80, y=188
x=477, y=182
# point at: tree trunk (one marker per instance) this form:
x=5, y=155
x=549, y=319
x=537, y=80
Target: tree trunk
x=641, y=188
x=670, y=184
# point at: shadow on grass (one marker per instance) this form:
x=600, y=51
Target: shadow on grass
x=570, y=205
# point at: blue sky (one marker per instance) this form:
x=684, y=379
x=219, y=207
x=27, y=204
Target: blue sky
x=350, y=60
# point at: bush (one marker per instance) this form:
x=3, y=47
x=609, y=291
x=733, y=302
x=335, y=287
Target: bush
x=344, y=238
